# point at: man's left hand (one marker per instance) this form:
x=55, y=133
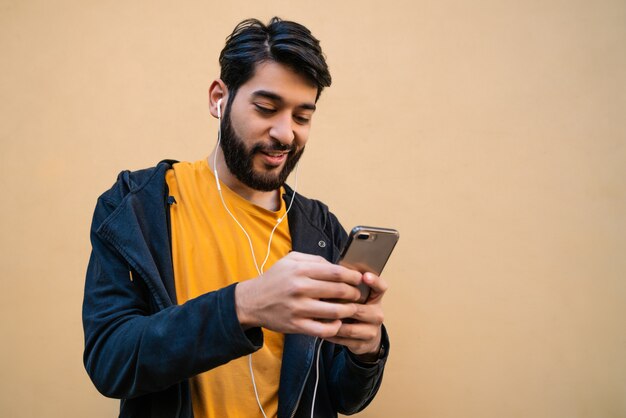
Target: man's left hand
x=363, y=336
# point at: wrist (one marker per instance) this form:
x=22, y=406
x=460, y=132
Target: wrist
x=243, y=307
x=373, y=357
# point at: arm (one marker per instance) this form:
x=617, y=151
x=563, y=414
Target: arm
x=132, y=347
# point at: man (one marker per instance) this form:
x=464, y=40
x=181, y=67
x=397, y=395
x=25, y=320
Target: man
x=183, y=315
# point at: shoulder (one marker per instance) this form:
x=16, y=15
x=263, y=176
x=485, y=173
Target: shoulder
x=128, y=182
x=147, y=183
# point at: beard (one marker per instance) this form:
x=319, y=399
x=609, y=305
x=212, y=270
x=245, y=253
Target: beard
x=240, y=160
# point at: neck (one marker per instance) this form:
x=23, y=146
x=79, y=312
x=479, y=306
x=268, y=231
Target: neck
x=267, y=200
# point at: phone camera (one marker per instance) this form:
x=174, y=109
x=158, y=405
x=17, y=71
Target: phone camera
x=363, y=236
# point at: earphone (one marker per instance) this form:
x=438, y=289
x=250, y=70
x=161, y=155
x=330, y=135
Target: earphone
x=219, y=189
x=260, y=269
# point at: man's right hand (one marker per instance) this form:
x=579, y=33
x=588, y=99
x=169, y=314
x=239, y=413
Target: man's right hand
x=294, y=296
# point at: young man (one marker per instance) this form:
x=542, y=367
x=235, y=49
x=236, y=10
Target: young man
x=211, y=289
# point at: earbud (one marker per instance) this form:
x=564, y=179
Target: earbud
x=219, y=109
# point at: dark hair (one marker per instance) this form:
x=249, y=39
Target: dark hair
x=281, y=41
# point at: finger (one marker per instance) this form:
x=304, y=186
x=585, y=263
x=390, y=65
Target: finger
x=369, y=314
x=319, y=309
x=321, y=329
x=358, y=331
x=330, y=272
x=377, y=284
x=319, y=289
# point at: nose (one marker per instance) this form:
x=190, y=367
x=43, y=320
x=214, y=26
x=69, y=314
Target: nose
x=282, y=129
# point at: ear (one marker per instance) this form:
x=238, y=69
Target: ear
x=218, y=90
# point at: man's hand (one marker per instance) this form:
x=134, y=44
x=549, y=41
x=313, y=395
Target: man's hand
x=362, y=336
x=296, y=294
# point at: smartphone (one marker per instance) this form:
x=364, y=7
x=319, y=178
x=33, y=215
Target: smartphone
x=367, y=250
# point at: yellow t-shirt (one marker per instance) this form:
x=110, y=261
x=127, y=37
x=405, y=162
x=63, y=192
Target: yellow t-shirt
x=210, y=251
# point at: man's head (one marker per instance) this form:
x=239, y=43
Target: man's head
x=271, y=78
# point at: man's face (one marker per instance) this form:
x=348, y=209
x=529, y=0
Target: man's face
x=266, y=126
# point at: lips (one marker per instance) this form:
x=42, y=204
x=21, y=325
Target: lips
x=275, y=153
x=274, y=158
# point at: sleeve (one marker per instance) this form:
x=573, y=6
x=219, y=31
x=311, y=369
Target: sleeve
x=353, y=384
x=133, y=348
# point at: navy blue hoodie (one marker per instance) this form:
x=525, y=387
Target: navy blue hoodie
x=142, y=347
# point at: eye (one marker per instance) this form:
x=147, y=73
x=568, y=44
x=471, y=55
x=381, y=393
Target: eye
x=264, y=110
x=302, y=120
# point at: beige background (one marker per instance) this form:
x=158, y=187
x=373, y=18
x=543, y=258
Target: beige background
x=490, y=133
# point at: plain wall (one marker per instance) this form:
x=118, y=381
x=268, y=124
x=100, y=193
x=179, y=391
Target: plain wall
x=490, y=133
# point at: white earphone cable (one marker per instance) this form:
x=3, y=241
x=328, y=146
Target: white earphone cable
x=256, y=393
x=317, y=377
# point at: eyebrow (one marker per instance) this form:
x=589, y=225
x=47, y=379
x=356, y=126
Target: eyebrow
x=275, y=97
